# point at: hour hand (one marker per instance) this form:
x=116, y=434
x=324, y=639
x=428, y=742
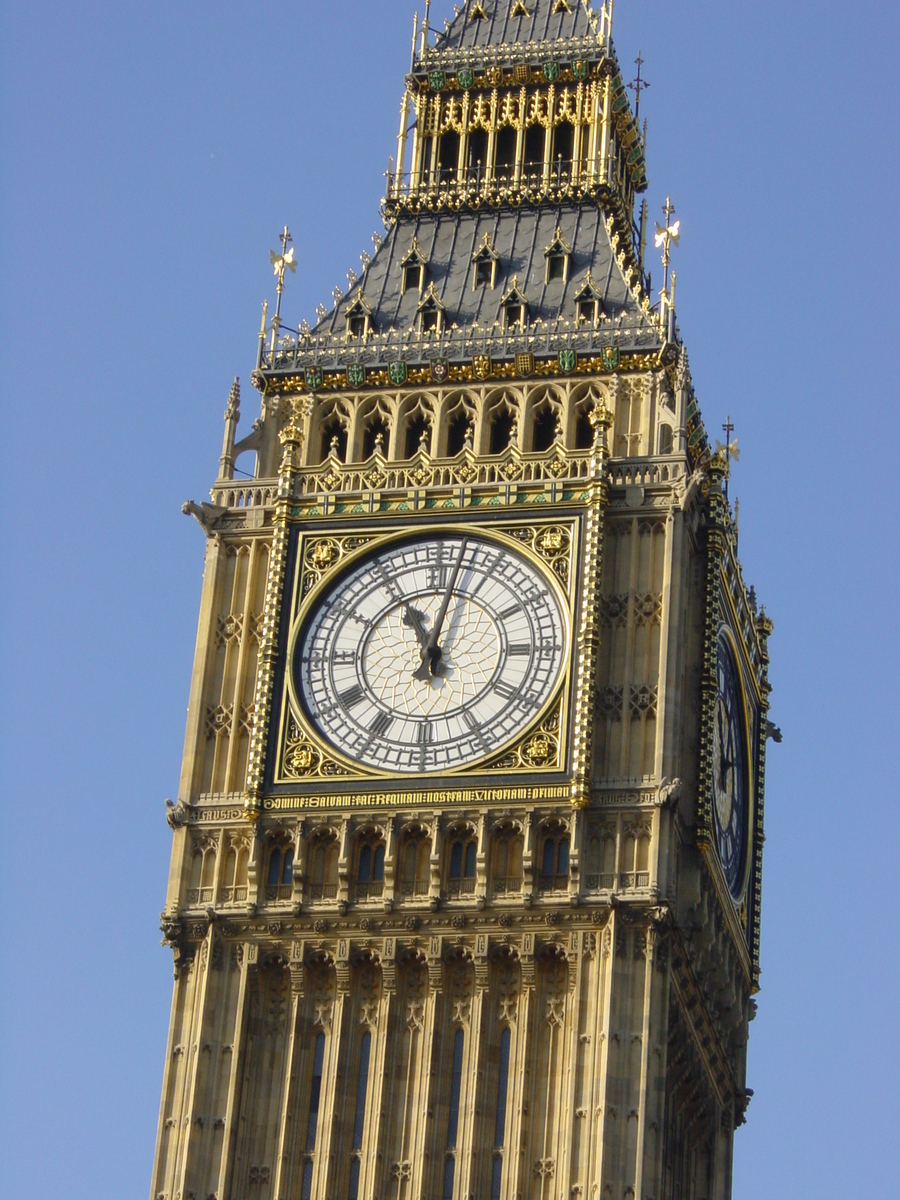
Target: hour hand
x=415, y=620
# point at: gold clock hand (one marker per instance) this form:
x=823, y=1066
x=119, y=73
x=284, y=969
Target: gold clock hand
x=430, y=654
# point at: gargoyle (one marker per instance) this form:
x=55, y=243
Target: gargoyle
x=208, y=515
x=177, y=814
x=669, y=793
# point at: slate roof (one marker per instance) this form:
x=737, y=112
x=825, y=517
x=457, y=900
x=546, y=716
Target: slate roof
x=499, y=27
x=448, y=242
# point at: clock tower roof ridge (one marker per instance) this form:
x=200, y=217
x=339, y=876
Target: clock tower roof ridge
x=479, y=24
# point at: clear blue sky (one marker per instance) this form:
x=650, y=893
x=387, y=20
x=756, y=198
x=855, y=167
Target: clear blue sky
x=151, y=154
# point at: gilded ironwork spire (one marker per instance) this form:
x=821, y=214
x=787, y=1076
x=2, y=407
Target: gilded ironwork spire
x=281, y=262
x=638, y=85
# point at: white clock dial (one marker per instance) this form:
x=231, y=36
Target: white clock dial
x=431, y=653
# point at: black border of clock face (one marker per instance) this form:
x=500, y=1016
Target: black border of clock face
x=525, y=680
x=730, y=771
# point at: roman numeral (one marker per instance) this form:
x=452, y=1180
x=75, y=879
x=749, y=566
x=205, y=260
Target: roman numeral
x=510, y=612
x=505, y=690
x=423, y=733
x=520, y=649
x=476, y=728
x=381, y=724
x=389, y=582
x=352, y=697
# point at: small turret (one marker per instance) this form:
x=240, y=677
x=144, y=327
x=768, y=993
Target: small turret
x=232, y=417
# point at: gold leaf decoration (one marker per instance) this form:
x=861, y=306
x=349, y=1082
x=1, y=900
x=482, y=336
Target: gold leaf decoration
x=538, y=750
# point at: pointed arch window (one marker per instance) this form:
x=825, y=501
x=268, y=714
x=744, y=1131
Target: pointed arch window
x=562, y=6
x=554, y=876
x=556, y=257
x=588, y=306
x=500, y=1118
x=280, y=874
x=545, y=427
x=484, y=264
x=322, y=875
x=414, y=267
x=461, y=865
x=431, y=312
x=312, y=1120
x=505, y=155
x=359, y=318
x=203, y=867
x=506, y=863
x=519, y=9
x=514, y=307
x=359, y=1121
x=370, y=870
x=415, y=868
x=535, y=144
x=453, y=1115
x=476, y=12
x=234, y=881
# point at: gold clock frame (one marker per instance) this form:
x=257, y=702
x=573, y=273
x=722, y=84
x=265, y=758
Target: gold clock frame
x=303, y=756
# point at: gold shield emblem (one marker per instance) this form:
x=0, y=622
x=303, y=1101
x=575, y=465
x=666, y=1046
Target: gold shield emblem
x=524, y=363
x=481, y=366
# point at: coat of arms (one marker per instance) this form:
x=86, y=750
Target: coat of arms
x=466, y=78
x=436, y=80
x=579, y=69
x=568, y=360
x=356, y=375
x=551, y=71
x=481, y=366
x=313, y=378
x=524, y=363
x=397, y=372
x=609, y=356
x=440, y=370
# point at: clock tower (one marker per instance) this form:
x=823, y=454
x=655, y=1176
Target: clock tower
x=465, y=885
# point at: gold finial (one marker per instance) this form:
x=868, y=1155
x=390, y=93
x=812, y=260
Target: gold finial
x=666, y=236
x=281, y=262
x=728, y=453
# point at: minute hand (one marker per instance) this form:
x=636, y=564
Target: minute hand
x=430, y=653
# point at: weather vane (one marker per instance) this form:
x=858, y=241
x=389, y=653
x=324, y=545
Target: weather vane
x=281, y=262
x=667, y=236
x=730, y=451
x=638, y=85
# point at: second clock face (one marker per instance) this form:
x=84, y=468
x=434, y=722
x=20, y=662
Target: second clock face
x=729, y=772
x=431, y=653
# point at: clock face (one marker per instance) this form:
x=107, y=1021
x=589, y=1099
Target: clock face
x=430, y=653
x=729, y=771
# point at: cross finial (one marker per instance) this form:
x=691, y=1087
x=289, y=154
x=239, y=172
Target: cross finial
x=638, y=85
